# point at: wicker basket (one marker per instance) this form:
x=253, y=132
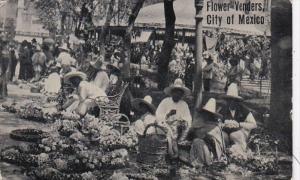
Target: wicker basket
x=29, y=135
x=121, y=126
x=152, y=147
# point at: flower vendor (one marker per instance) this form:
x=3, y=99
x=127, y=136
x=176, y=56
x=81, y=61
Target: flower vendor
x=207, y=137
x=238, y=120
x=174, y=111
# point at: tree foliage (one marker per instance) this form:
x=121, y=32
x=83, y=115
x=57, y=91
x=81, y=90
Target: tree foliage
x=54, y=12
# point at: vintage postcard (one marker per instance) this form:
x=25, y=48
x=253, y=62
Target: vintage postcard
x=145, y=89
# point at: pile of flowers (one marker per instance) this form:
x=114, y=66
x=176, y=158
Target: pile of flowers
x=75, y=150
x=33, y=110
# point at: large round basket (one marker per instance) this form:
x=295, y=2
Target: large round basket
x=153, y=148
x=29, y=135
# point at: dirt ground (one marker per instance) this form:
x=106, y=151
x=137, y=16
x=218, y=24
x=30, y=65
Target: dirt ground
x=9, y=122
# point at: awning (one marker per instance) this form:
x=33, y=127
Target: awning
x=143, y=38
x=153, y=15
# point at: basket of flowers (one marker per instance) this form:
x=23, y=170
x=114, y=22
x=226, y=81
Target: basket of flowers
x=231, y=126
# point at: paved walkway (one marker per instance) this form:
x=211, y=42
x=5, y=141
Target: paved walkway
x=9, y=122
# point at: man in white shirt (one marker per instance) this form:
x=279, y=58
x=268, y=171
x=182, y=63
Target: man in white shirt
x=175, y=112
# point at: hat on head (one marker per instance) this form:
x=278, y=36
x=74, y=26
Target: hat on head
x=146, y=101
x=98, y=63
x=232, y=92
x=64, y=46
x=70, y=75
x=178, y=84
x=210, y=107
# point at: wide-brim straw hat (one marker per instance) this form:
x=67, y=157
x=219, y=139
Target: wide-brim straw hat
x=147, y=101
x=232, y=93
x=64, y=47
x=70, y=75
x=178, y=84
x=211, y=107
x=98, y=63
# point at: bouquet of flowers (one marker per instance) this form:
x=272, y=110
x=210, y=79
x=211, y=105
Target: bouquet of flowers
x=231, y=126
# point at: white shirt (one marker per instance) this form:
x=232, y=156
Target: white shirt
x=89, y=90
x=232, y=113
x=65, y=59
x=53, y=83
x=101, y=80
x=181, y=107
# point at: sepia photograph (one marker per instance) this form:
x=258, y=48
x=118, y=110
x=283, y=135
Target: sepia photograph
x=146, y=89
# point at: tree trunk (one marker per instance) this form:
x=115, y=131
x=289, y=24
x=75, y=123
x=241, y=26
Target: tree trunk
x=168, y=45
x=281, y=68
x=199, y=48
x=127, y=38
x=105, y=27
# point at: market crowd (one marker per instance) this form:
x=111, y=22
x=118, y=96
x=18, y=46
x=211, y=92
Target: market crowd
x=227, y=58
x=84, y=79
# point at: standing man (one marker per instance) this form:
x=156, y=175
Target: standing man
x=39, y=62
x=208, y=71
x=26, y=68
x=235, y=72
x=4, y=65
x=14, y=60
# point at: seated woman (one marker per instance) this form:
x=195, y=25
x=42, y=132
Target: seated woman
x=146, y=112
x=207, y=138
x=85, y=94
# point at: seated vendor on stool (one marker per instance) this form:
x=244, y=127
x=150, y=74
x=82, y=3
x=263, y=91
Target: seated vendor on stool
x=174, y=112
x=236, y=115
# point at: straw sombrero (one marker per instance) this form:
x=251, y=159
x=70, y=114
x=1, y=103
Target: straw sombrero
x=98, y=63
x=178, y=84
x=146, y=101
x=64, y=47
x=74, y=74
x=210, y=107
x=232, y=92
